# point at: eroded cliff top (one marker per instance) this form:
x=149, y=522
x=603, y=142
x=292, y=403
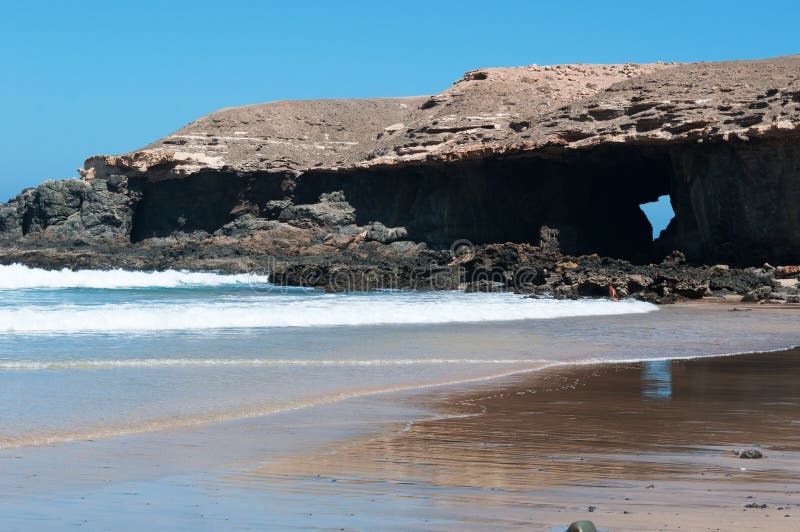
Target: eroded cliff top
x=492, y=111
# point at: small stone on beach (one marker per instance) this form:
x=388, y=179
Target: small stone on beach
x=582, y=526
x=750, y=454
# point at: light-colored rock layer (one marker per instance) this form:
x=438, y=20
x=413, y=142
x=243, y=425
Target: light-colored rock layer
x=492, y=111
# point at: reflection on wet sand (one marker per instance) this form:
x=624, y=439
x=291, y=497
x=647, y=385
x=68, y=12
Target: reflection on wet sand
x=648, y=444
x=657, y=379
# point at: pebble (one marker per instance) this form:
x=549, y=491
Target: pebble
x=749, y=454
x=582, y=526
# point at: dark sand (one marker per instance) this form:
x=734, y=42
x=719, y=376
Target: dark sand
x=649, y=445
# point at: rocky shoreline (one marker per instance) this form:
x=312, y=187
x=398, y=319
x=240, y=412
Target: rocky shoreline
x=534, y=271
x=525, y=179
x=528, y=270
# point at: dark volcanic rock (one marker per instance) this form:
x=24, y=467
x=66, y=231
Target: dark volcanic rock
x=332, y=210
x=70, y=209
x=582, y=526
x=561, y=156
x=385, y=235
x=749, y=454
x=737, y=200
x=756, y=506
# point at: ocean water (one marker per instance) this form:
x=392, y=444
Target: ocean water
x=87, y=355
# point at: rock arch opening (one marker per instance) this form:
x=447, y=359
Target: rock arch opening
x=733, y=202
x=593, y=198
x=659, y=213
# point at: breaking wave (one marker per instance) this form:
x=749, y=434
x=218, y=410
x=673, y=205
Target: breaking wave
x=302, y=311
x=19, y=277
x=35, y=365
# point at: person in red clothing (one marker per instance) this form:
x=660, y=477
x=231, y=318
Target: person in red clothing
x=612, y=293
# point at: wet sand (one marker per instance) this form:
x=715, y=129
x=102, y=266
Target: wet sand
x=648, y=445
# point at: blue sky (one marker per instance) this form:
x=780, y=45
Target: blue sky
x=88, y=77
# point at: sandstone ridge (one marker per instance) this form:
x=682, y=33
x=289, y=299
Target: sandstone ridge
x=492, y=110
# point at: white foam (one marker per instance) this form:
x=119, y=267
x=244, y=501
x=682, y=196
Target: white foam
x=274, y=310
x=36, y=365
x=17, y=277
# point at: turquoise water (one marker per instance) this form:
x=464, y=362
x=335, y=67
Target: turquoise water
x=91, y=355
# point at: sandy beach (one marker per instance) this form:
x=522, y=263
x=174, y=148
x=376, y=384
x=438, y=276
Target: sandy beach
x=642, y=445
x=645, y=446
x=418, y=266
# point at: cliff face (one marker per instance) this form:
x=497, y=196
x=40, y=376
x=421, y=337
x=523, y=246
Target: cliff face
x=491, y=159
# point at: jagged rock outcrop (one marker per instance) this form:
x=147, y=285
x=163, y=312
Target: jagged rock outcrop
x=492, y=159
x=537, y=272
x=71, y=209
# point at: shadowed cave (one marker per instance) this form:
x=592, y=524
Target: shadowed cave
x=593, y=199
x=201, y=202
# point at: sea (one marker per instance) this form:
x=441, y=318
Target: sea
x=87, y=355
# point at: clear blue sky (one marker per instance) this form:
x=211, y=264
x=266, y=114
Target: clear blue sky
x=87, y=77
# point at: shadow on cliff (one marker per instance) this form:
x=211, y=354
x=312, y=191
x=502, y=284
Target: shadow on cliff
x=726, y=198
x=593, y=199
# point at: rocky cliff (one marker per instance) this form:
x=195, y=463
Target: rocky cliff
x=501, y=153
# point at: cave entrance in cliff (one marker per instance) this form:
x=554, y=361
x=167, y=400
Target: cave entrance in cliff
x=607, y=188
x=659, y=213
x=597, y=199
x=593, y=197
